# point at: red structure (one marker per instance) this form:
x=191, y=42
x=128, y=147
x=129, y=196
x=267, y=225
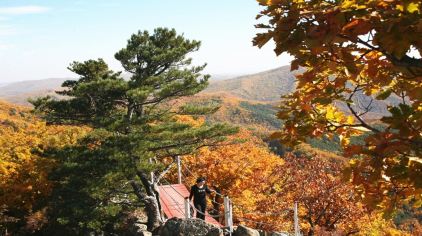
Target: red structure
x=172, y=198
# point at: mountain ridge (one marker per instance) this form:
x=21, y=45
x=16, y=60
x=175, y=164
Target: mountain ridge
x=264, y=88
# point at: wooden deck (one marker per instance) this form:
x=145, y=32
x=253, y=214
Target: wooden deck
x=172, y=202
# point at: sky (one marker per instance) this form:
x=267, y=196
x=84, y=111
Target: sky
x=40, y=38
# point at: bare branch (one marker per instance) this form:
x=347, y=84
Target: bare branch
x=362, y=122
x=164, y=172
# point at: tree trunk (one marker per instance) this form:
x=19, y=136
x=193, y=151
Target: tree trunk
x=153, y=213
x=311, y=229
x=311, y=232
x=152, y=207
x=152, y=202
x=217, y=205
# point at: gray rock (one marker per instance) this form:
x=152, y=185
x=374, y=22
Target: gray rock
x=215, y=232
x=145, y=233
x=245, y=231
x=188, y=227
x=136, y=223
x=279, y=234
x=140, y=226
x=265, y=233
x=262, y=232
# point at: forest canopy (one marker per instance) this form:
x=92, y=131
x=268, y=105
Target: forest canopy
x=355, y=53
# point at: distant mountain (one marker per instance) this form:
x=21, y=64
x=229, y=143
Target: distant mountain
x=257, y=115
x=264, y=86
x=265, y=89
x=269, y=86
x=20, y=92
x=219, y=77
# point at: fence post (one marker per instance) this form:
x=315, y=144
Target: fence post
x=231, y=217
x=228, y=214
x=187, y=208
x=151, y=173
x=179, y=169
x=296, y=220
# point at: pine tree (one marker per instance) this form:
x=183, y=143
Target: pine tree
x=135, y=121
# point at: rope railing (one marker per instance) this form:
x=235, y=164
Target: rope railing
x=256, y=222
x=260, y=223
x=190, y=172
x=190, y=203
x=215, y=192
x=204, y=213
x=178, y=207
x=280, y=213
x=228, y=206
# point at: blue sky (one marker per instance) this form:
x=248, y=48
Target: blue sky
x=38, y=39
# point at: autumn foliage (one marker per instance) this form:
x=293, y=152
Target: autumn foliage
x=263, y=187
x=240, y=169
x=352, y=53
x=355, y=54
x=23, y=171
x=325, y=200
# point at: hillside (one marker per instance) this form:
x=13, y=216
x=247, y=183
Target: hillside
x=20, y=92
x=248, y=99
x=269, y=86
x=264, y=86
x=256, y=115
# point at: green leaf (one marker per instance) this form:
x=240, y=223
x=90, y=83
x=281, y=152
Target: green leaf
x=384, y=94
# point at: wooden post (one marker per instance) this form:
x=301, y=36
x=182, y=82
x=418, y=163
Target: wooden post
x=187, y=208
x=228, y=214
x=152, y=173
x=296, y=220
x=231, y=217
x=179, y=169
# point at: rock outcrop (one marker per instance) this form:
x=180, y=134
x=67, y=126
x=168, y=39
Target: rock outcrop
x=188, y=227
x=245, y=231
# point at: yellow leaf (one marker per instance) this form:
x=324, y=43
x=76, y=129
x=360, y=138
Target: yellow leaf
x=374, y=90
x=330, y=115
x=347, y=3
x=269, y=2
x=350, y=120
x=345, y=141
x=400, y=7
x=413, y=7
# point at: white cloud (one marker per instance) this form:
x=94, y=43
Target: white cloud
x=5, y=46
x=6, y=30
x=22, y=10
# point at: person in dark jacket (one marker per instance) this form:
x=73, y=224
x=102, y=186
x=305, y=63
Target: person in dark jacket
x=199, y=193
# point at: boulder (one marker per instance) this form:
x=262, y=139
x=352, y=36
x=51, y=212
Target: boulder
x=215, y=232
x=264, y=233
x=135, y=222
x=245, y=231
x=279, y=234
x=140, y=227
x=145, y=233
x=188, y=227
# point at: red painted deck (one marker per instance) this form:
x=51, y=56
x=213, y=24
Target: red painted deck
x=172, y=201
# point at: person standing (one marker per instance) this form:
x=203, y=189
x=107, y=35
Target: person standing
x=199, y=193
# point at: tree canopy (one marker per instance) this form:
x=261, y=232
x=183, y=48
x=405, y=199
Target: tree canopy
x=24, y=170
x=264, y=186
x=355, y=54
x=135, y=126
